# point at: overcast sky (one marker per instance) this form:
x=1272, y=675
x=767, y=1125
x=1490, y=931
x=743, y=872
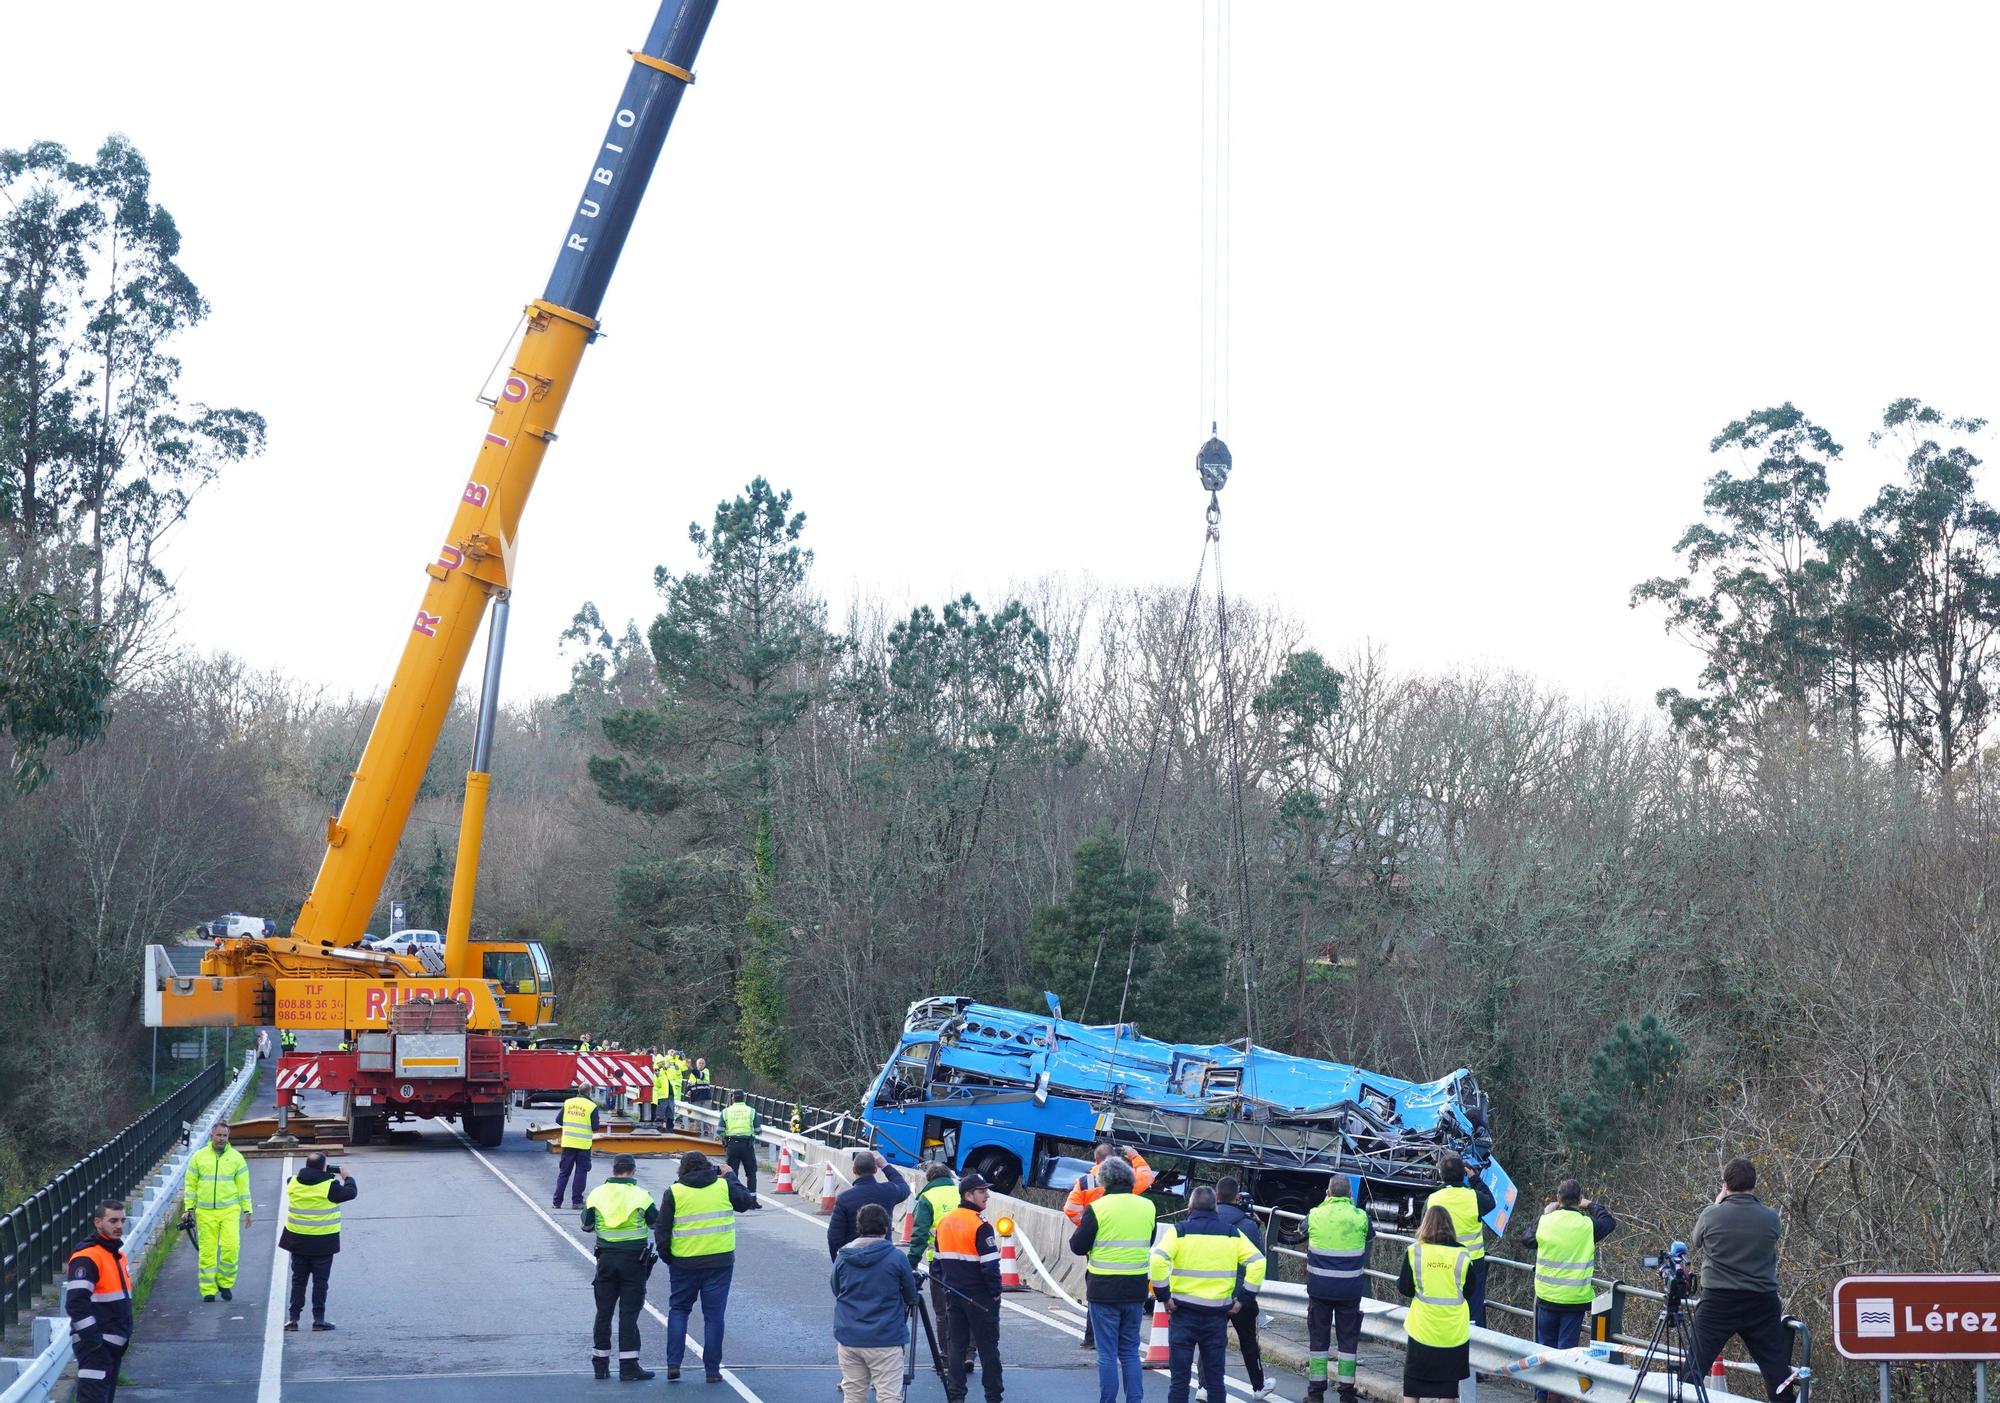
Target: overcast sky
x=1500, y=272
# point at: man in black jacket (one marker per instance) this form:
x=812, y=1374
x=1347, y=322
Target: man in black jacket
x=97, y=1295
x=310, y=1236
x=1737, y=1237
x=866, y=1189
x=1229, y=1208
x=702, y=1261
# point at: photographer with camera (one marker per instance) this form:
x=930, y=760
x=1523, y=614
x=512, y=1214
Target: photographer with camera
x=1737, y=1237
x=312, y=1232
x=1565, y=1246
x=1467, y=1198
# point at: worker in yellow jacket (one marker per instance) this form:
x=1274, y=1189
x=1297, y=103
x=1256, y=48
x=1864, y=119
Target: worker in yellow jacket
x=1195, y=1268
x=216, y=1200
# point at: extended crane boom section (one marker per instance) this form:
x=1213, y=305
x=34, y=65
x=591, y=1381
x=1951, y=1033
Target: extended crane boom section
x=320, y=977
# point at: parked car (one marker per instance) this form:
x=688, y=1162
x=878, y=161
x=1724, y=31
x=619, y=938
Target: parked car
x=407, y=942
x=236, y=923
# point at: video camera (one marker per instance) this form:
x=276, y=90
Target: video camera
x=1677, y=1274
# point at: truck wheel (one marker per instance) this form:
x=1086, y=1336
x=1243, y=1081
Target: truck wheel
x=486, y=1128
x=997, y=1168
x=361, y=1131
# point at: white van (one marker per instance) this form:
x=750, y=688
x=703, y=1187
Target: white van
x=236, y=923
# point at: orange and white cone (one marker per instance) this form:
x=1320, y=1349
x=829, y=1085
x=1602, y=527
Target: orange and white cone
x=1156, y=1347
x=1718, y=1380
x=909, y=1231
x=784, y=1184
x=1010, y=1267
x=826, y=1187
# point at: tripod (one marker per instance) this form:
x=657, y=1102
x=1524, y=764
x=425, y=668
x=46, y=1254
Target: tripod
x=1673, y=1335
x=921, y=1313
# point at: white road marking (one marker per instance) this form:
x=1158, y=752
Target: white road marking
x=729, y=1377
x=1075, y=1332
x=270, y=1376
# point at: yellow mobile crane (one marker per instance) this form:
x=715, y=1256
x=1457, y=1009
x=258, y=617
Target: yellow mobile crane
x=319, y=976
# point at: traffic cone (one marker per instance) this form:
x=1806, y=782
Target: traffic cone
x=1010, y=1267
x=1156, y=1347
x=826, y=1187
x=909, y=1231
x=784, y=1184
x=1718, y=1381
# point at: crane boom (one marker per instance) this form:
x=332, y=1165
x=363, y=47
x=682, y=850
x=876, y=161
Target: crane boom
x=475, y=561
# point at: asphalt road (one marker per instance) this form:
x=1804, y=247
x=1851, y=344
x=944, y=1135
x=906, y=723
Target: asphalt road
x=457, y=1281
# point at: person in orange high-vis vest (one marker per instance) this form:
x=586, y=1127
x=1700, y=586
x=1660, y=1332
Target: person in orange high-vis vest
x=97, y=1295
x=968, y=1263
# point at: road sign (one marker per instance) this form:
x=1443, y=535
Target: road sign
x=185, y=1052
x=1887, y=1318
x=398, y=916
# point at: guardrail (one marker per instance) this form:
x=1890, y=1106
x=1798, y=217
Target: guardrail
x=116, y=1170
x=839, y=1128
x=36, y=1237
x=1607, y=1310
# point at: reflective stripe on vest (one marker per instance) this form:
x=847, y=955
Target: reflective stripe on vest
x=739, y=1119
x=1336, y=1243
x=1463, y=1205
x=576, y=1115
x=704, y=1223
x=1437, y=1319
x=1565, y=1256
x=1125, y=1224
x=621, y=1212
x=309, y=1212
x=942, y=1197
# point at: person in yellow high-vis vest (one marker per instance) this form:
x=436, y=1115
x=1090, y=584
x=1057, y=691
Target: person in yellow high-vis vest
x=1195, y=1267
x=1468, y=1200
x=696, y=1235
x=1114, y=1236
x=622, y=1215
x=580, y=1124
x=1565, y=1242
x=216, y=1198
x=1338, y=1232
x=312, y=1233
x=1435, y=1269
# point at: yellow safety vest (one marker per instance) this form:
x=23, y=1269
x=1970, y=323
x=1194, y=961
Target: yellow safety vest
x=621, y=1212
x=704, y=1223
x=1125, y=1225
x=663, y=1083
x=217, y=1180
x=309, y=1212
x=1337, y=1248
x=942, y=1197
x=576, y=1133
x=1200, y=1269
x=739, y=1119
x=1438, y=1313
x=1565, y=1256
x=1463, y=1205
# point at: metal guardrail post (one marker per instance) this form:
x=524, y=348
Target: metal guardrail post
x=1607, y=1313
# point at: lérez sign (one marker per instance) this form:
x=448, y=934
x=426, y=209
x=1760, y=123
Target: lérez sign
x=1886, y=1318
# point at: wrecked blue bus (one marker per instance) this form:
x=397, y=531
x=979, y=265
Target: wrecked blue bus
x=1021, y=1098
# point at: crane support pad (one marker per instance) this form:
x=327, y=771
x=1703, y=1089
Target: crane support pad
x=672, y=70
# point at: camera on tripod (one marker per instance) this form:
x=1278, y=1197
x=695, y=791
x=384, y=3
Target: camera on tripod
x=1677, y=1274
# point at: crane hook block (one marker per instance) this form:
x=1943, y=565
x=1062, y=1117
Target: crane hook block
x=1213, y=463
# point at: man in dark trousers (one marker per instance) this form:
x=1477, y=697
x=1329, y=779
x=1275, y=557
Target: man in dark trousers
x=312, y=1232
x=1338, y=1234
x=1564, y=1242
x=1737, y=1238
x=968, y=1266
x=887, y=1191
x=1468, y=1200
x=740, y=1124
x=97, y=1295
x=1229, y=1207
x=622, y=1216
x=696, y=1236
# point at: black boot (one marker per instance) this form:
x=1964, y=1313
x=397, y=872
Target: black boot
x=629, y=1372
x=600, y=1367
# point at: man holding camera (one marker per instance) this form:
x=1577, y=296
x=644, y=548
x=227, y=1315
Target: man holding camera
x=1565, y=1246
x=312, y=1232
x=1737, y=1237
